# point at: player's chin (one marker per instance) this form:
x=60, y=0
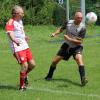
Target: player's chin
x=79, y=21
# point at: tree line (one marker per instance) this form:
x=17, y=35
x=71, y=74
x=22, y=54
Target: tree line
x=44, y=11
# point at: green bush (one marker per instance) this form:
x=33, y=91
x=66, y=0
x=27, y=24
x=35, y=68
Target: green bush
x=59, y=15
x=36, y=11
x=44, y=11
x=44, y=16
x=5, y=10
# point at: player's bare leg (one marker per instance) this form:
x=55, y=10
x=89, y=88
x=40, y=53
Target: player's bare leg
x=31, y=66
x=80, y=63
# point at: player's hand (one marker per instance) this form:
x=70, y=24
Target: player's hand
x=27, y=38
x=17, y=43
x=52, y=35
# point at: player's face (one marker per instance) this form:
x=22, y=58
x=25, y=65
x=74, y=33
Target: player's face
x=78, y=17
x=20, y=14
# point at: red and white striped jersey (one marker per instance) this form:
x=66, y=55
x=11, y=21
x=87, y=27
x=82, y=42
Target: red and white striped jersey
x=18, y=30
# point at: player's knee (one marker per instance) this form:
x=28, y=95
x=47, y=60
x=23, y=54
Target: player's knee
x=33, y=66
x=77, y=59
x=54, y=63
x=79, y=62
x=24, y=68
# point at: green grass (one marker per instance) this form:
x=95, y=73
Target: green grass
x=65, y=83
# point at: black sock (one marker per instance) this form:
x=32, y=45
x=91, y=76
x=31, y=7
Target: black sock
x=81, y=71
x=51, y=70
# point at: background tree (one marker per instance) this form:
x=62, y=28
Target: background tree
x=45, y=11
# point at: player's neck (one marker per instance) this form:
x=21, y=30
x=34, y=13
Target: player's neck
x=76, y=23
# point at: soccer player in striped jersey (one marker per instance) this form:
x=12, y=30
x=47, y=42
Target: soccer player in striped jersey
x=19, y=46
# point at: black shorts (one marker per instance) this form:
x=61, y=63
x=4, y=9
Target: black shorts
x=65, y=51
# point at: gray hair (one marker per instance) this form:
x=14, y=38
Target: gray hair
x=16, y=9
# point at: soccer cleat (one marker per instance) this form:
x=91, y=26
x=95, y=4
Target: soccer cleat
x=22, y=88
x=84, y=81
x=26, y=82
x=48, y=78
x=50, y=74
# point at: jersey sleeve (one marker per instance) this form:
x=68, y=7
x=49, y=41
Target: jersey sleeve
x=82, y=33
x=9, y=26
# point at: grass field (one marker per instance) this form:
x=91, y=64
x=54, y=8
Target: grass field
x=66, y=83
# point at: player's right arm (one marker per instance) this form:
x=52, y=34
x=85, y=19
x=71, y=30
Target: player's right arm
x=59, y=30
x=9, y=30
x=12, y=37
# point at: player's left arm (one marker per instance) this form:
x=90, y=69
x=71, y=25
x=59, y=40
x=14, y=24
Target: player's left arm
x=77, y=40
x=74, y=40
x=27, y=38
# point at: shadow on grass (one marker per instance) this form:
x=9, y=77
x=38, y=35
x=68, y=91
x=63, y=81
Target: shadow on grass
x=61, y=80
x=67, y=81
x=8, y=87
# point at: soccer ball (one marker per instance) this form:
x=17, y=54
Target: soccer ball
x=91, y=18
